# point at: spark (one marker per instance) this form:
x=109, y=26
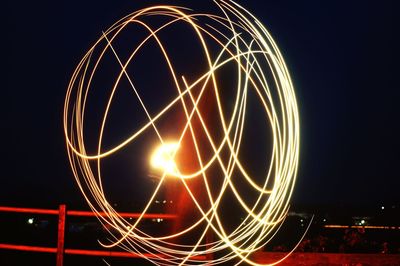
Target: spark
x=241, y=40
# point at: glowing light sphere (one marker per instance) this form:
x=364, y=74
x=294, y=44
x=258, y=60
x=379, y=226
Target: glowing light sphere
x=241, y=72
x=163, y=158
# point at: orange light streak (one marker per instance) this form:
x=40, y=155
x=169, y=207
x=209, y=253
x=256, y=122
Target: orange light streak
x=386, y=227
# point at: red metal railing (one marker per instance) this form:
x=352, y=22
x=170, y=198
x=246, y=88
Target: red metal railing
x=62, y=212
x=85, y=213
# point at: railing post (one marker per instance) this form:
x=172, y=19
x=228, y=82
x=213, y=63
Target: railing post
x=60, y=237
x=209, y=241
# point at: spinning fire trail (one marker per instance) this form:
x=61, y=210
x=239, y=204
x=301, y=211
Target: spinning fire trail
x=240, y=67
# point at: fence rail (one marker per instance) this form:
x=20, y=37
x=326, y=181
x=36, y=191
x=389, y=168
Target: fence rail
x=101, y=253
x=85, y=213
x=62, y=212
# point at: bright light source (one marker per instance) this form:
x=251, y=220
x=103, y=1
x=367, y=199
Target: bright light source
x=163, y=158
x=30, y=221
x=383, y=207
x=362, y=222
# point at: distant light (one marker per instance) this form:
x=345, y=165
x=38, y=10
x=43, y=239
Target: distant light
x=164, y=201
x=159, y=220
x=383, y=207
x=362, y=222
x=324, y=220
x=301, y=220
x=30, y=221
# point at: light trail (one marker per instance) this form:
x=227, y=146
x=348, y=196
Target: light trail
x=234, y=38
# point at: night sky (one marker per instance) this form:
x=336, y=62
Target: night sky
x=342, y=56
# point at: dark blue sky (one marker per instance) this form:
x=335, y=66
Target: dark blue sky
x=342, y=55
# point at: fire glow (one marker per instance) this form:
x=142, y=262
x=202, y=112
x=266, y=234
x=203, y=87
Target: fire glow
x=163, y=158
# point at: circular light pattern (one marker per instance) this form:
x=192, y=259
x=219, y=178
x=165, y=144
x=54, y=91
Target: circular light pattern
x=235, y=37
